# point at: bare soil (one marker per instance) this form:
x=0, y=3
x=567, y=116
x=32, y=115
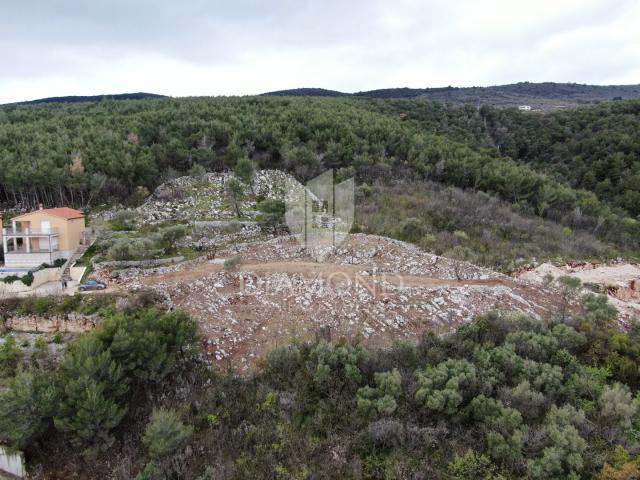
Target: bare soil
x=372, y=287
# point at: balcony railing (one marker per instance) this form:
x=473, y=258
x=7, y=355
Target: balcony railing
x=26, y=232
x=33, y=250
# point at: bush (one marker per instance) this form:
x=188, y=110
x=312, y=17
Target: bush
x=233, y=262
x=9, y=357
x=473, y=466
x=41, y=305
x=124, y=220
x=165, y=433
x=412, y=230
x=197, y=171
x=166, y=238
x=59, y=262
x=245, y=170
x=27, y=279
x=381, y=400
x=139, y=249
x=271, y=215
x=442, y=388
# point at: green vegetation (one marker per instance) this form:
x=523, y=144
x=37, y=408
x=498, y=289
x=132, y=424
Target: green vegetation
x=148, y=242
x=60, y=305
x=101, y=374
x=578, y=168
x=271, y=216
x=232, y=263
x=470, y=226
x=503, y=397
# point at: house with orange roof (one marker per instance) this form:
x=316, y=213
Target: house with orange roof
x=42, y=236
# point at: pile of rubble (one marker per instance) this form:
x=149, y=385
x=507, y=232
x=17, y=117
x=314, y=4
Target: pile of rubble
x=390, y=255
x=370, y=286
x=242, y=314
x=374, y=287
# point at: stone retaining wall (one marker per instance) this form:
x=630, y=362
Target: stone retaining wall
x=139, y=263
x=71, y=323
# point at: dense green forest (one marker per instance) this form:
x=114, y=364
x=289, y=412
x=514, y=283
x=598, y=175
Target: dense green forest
x=578, y=168
x=595, y=149
x=502, y=397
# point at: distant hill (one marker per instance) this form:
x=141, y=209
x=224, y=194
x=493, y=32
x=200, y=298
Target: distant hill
x=307, y=92
x=94, y=98
x=541, y=96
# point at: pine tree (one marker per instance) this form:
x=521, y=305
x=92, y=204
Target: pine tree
x=26, y=408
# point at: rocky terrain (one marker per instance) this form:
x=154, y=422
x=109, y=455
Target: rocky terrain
x=203, y=198
x=620, y=281
x=369, y=286
x=374, y=287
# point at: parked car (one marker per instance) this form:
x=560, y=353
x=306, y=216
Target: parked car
x=92, y=285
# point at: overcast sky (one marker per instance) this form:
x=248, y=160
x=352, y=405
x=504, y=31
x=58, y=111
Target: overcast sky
x=241, y=47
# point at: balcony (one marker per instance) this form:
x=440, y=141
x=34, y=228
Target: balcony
x=30, y=232
x=18, y=250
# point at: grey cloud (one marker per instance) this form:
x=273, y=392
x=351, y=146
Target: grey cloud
x=354, y=44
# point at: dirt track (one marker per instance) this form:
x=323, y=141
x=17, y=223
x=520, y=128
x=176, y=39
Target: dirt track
x=328, y=271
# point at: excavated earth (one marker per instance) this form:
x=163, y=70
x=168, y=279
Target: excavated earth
x=619, y=280
x=369, y=286
x=374, y=287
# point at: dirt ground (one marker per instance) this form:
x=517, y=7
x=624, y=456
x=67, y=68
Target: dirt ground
x=373, y=287
x=620, y=281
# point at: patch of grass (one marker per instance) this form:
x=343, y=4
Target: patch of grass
x=187, y=252
x=91, y=252
x=232, y=263
x=84, y=304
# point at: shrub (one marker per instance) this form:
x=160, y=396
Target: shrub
x=9, y=357
x=442, y=388
x=245, y=170
x=149, y=344
x=381, y=399
x=166, y=238
x=197, y=171
x=165, y=433
x=94, y=386
x=41, y=305
x=121, y=250
x=27, y=279
x=233, y=262
x=412, y=230
x=473, y=466
x=124, y=220
x=271, y=214
x=235, y=192
x=59, y=262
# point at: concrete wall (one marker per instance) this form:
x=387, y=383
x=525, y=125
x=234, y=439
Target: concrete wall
x=77, y=273
x=31, y=260
x=71, y=241
x=12, y=464
x=39, y=278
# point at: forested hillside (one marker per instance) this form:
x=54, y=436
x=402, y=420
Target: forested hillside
x=578, y=168
x=542, y=96
x=94, y=98
x=596, y=148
